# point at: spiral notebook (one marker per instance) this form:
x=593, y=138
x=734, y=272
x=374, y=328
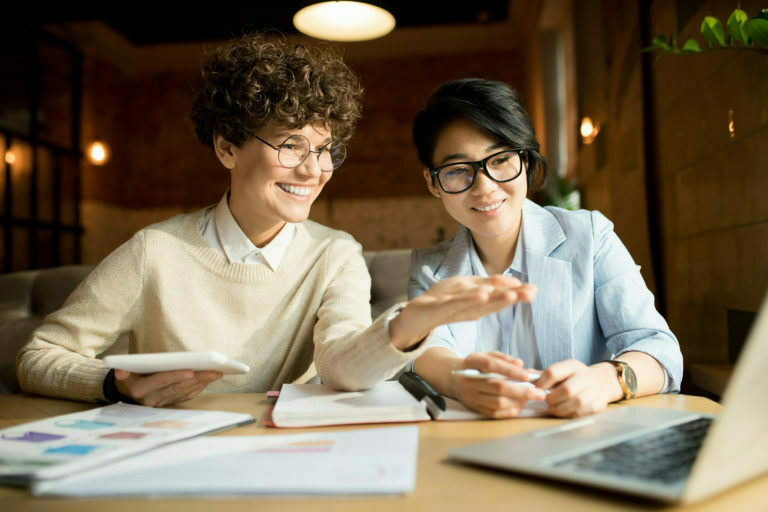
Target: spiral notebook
x=408, y=400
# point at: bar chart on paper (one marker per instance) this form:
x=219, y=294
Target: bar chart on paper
x=371, y=461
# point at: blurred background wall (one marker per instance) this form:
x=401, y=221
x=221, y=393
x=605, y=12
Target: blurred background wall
x=678, y=162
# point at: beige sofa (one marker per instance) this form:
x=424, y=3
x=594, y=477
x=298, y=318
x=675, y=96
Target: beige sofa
x=26, y=297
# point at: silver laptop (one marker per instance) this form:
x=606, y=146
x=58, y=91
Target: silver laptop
x=672, y=456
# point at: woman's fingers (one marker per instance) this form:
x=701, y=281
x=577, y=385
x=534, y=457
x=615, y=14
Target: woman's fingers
x=461, y=284
x=457, y=299
x=576, y=390
x=477, y=303
x=454, y=300
x=122, y=374
x=475, y=287
x=139, y=386
x=497, y=397
x=507, y=366
x=558, y=372
x=498, y=414
x=585, y=401
x=166, y=388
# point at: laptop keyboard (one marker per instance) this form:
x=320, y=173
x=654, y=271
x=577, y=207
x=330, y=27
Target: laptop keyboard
x=665, y=455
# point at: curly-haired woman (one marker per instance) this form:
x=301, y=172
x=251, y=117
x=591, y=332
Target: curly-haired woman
x=251, y=276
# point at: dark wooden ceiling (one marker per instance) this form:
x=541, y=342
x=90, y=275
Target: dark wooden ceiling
x=165, y=22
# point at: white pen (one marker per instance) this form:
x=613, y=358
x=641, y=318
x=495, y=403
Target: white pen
x=477, y=374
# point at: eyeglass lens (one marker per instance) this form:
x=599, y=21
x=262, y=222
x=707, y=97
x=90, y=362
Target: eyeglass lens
x=503, y=166
x=295, y=149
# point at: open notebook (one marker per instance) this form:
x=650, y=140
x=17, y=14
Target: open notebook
x=406, y=400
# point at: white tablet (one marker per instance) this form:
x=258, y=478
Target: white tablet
x=169, y=361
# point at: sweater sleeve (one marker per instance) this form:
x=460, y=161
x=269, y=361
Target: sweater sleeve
x=351, y=353
x=60, y=357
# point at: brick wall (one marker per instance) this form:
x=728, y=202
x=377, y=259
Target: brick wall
x=710, y=130
x=158, y=168
x=612, y=169
x=714, y=181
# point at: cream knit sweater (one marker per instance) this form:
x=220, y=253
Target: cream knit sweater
x=173, y=292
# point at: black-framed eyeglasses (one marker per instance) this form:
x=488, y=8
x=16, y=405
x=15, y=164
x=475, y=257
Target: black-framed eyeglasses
x=295, y=149
x=501, y=167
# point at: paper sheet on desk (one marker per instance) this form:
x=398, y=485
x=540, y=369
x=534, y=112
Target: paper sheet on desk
x=372, y=461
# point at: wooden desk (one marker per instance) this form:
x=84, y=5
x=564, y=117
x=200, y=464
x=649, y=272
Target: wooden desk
x=440, y=486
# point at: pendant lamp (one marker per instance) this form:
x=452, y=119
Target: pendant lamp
x=344, y=21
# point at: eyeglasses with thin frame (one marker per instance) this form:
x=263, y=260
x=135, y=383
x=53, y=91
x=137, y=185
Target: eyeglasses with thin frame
x=501, y=167
x=294, y=150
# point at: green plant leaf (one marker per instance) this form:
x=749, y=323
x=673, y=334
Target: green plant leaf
x=763, y=14
x=737, y=26
x=660, y=42
x=657, y=43
x=757, y=29
x=712, y=30
x=691, y=46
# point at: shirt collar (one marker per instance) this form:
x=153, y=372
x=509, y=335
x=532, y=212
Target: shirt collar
x=238, y=247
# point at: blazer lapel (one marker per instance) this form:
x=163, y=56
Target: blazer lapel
x=552, y=317
x=457, y=263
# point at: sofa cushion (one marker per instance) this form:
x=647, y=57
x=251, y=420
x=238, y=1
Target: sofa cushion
x=389, y=278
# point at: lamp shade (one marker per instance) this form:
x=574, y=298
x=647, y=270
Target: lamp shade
x=344, y=21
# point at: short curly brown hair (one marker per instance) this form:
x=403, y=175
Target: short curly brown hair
x=259, y=78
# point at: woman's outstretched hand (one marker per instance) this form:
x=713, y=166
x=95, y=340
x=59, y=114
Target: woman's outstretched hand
x=456, y=299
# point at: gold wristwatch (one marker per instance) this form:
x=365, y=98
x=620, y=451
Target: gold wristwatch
x=627, y=378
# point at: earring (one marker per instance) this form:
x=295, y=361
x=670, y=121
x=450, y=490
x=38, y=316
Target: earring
x=437, y=195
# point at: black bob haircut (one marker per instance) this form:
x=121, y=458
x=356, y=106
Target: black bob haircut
x=493, y=107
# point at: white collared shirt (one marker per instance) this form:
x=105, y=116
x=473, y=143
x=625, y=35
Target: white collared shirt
x=510, y=330
x=220, y=230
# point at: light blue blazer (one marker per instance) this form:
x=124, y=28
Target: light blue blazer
x=592, y=302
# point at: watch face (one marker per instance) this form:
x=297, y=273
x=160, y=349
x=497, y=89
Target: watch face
x=629, y=378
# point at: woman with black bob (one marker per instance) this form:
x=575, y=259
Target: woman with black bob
x=250, y=277
x=593, y=335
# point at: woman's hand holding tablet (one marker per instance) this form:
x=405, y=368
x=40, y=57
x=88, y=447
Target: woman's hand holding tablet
x=162, y=379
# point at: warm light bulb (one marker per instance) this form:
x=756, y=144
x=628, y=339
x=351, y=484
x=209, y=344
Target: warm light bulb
x=589, y=130
x=98, y=153
x=10, y=157
x=344, y=21
x=731, y=128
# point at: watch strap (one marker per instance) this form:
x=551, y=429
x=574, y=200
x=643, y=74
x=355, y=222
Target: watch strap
x=620, y=365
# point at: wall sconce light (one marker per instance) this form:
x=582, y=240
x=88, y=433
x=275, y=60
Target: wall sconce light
x=10, y=157
x=731, y=129
x=98, y=153
x=589, y=130
x=344, y=21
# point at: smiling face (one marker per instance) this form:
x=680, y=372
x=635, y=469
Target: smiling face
x=264, y=194
x=490, y=210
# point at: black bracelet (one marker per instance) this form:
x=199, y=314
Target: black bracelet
x=111, y=393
